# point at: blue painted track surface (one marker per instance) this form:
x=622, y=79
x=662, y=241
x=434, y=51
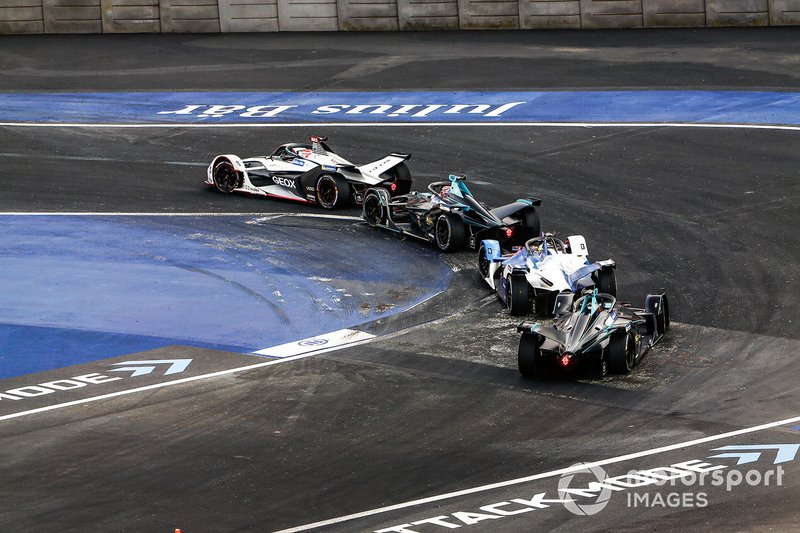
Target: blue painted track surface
x=84, y=288
x=705, y=107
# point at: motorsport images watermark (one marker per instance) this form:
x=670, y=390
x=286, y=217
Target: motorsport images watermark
x=585, y=489
x=686, y=485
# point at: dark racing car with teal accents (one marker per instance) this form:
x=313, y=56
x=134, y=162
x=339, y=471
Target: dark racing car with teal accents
x=451, y=217
x=595, y=332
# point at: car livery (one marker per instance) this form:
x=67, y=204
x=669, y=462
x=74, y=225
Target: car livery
x=310, y=173
x=594, y=329
x=540, y=270
x=449, y=216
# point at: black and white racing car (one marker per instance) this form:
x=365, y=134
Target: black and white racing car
x=311, y=173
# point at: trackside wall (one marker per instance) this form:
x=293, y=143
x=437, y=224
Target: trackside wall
x=198, y=16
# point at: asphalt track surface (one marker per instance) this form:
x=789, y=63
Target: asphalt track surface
x=434, y=406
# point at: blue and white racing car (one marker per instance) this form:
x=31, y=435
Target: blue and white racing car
x=534, y=275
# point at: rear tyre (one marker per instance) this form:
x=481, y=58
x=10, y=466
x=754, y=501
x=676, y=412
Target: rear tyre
x=542, y=304
x=607, y=281
x=530, y=219
x=402, y=179
x=621, y=353
x=529, y=356
x=332, y=191
x=600, y=366
x=449, y=233
x=225, y=177
x=517, y=295
x=659, y=306
x=373, y=212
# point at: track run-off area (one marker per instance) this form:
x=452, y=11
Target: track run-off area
x=172, y=357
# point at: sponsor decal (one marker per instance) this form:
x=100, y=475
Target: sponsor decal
x=348, y=112
x=283, y=182
x=584, y=107
x=340, y=337
x=313, y=342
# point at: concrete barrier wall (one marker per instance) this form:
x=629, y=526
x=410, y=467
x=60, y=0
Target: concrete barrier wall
x=202, y=16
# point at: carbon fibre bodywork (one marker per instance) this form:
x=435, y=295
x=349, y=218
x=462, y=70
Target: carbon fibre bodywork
x=449, y=216
x=595, y=329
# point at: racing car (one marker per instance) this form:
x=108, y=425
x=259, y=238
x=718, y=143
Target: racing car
x=596, y=330
x=449, y=216
x=311, y=173
x=540, y=270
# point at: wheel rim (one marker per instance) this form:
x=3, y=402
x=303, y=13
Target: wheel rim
x=629, y=356
x=443, y=233
x=372, y=210
x=327, y=192
x=483, y=263
x=508, y=293
x=225, y=177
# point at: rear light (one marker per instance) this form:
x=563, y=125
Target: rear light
x=565, y=359
x=393, y=187
x=509, y=232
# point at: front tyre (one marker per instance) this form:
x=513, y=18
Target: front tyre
x=449, y=233
x=332, y=191
x=483, y=263
x=621, y=353
x=517, y=295
x=225, y=177
x=373, y=211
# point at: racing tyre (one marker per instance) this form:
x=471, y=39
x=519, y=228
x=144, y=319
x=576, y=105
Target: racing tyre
x=226, y=178
x=659, y=306
x=373, y=210
x=402, y=179
x=600, y=366
x=450, y=234
x=483, y=263
x=332, y=191
x=542, y=305
x=529, y=356
x=607, y=281
x=517, y=295
x=530, y=219
x=621, y=353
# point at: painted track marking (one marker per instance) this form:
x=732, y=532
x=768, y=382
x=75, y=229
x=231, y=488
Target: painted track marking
x=359, y=340
x=543, y=475
x=415, y=124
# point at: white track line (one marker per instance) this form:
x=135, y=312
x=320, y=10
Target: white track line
x=415, y=124
x=552, y=473
x=182, y=380
x=261, y=216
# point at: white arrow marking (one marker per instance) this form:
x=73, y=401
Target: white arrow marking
x=786, y=452
x=176, y=366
